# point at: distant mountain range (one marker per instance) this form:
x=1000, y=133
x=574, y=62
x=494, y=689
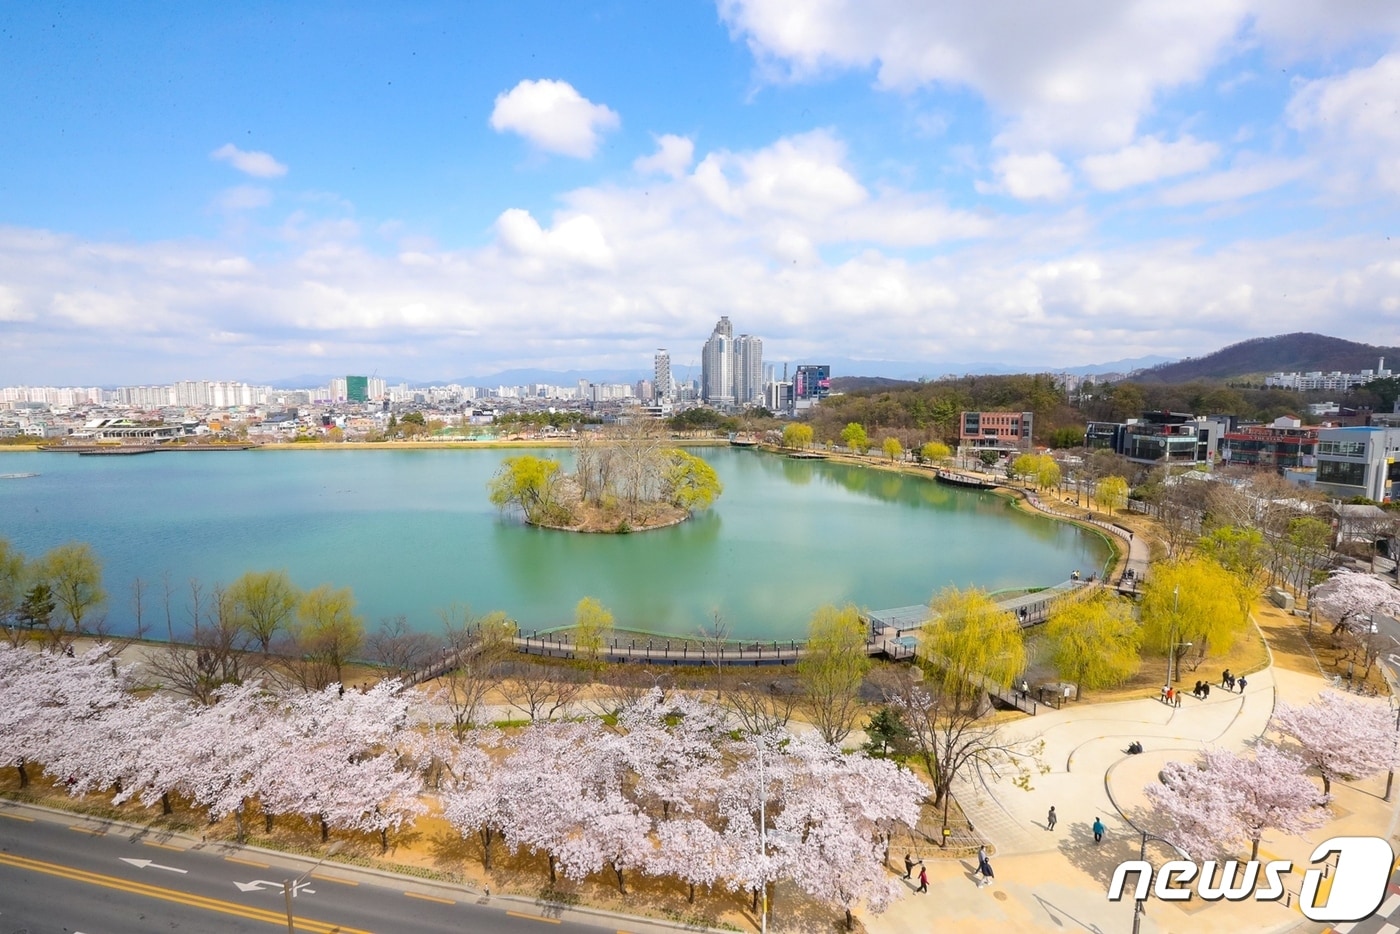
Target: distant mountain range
x=1299, y=352
x=1258, y=357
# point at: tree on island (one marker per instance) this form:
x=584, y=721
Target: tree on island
x=624, y=480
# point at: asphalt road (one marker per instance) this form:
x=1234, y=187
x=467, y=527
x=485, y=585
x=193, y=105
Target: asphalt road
x=69, y=875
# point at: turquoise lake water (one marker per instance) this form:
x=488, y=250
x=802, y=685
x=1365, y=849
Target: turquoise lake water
x=412, y=532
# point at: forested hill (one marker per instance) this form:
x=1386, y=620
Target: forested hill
x=869, y=383
x=1300, y=352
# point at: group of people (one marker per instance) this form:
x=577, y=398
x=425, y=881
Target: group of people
x=1201, y=690
x=1171, y=696
x=984, y=868
x=1228, y=681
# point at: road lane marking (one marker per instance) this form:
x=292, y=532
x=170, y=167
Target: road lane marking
x=170, y=895
x=163, y=846
x=247, y=862
x=27, y=820
x=89, y=831
x=147, y=864
x=317, y=875
x=431, y=898
x=518, y=914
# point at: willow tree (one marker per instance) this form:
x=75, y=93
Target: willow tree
x=690, y=482
x=1095, y=643
x=74, y=574
x=832, y=669
x=971, y=643
x=935, y=452
x=1190, y=600
x=264, y=602
x=797, y=435
x=1111, y=493
x=855, y=438
x=530, y=483
x=1243, y=553
x=327, y=635
x=892, y=448
x=593, y=624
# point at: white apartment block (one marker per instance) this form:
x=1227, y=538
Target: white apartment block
x=1336, y=381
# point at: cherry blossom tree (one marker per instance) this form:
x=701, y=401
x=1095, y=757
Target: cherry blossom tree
x=47, y=696
x=1341, y=737
x=1229, y=799
x=1351, y=597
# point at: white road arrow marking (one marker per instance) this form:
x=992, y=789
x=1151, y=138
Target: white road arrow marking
x=147, y=864
x=257, y=885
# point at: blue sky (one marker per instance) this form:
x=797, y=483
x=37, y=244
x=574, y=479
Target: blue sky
x=431, y=190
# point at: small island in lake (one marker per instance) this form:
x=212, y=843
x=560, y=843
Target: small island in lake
x=628, y=481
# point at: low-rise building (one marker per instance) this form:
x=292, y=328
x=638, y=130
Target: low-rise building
x=1284, y=443
x=996, y=430
x=1358, y=461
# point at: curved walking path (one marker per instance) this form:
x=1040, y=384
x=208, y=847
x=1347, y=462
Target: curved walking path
x=1057, y=881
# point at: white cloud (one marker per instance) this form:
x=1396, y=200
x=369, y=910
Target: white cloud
x=577, y=240
x=1247, y=176
x=553, y=116
x=1356, y=115
x=673, y=157
x=1074, y=74
x=243, y=198
x=1147, y=160
x=249, y=162
x=1031, y=176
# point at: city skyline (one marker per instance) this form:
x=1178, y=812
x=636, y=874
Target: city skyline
x=252, y=193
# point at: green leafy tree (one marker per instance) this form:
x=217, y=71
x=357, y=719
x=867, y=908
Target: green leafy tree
x=832, y=669
x=892, y=448
x=265, y=603
x=1308, y=542
x=593, y=624
x=1111, y=493
x=75, y=575
x=1095, y=643
x=327, y=635
x=888, y=737
x=691, y=482
x=530, y=483
x=1061, y=438
x=972, y=643
x=797, y=435
x=855, y=438
x=36, y=609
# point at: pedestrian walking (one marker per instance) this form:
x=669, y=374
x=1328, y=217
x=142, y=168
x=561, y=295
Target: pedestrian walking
x=1205, y=691
x=1243, y=682
x=1176, y=696
x=1050, y=819
x=1225, y=679
x=908, y=865
x=923, y=877
x=984, y=868
x=1098, y=830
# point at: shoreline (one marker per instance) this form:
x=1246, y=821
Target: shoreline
x=461, y=445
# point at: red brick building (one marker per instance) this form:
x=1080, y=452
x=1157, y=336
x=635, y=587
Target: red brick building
x=996, y=430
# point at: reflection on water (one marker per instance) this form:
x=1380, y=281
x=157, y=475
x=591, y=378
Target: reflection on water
x=412, y=531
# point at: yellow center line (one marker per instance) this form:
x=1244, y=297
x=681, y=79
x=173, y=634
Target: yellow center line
x=317, y=875
x=170, y=895
x=431, y=898
x=163, y=846
x=27, y=820
x=517, y=914
x=247, y=862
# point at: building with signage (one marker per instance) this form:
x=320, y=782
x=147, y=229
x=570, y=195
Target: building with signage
x=1002, y=431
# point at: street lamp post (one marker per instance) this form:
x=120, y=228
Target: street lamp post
x=1174, y=645
x=1140, y=906
x=289, y=888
